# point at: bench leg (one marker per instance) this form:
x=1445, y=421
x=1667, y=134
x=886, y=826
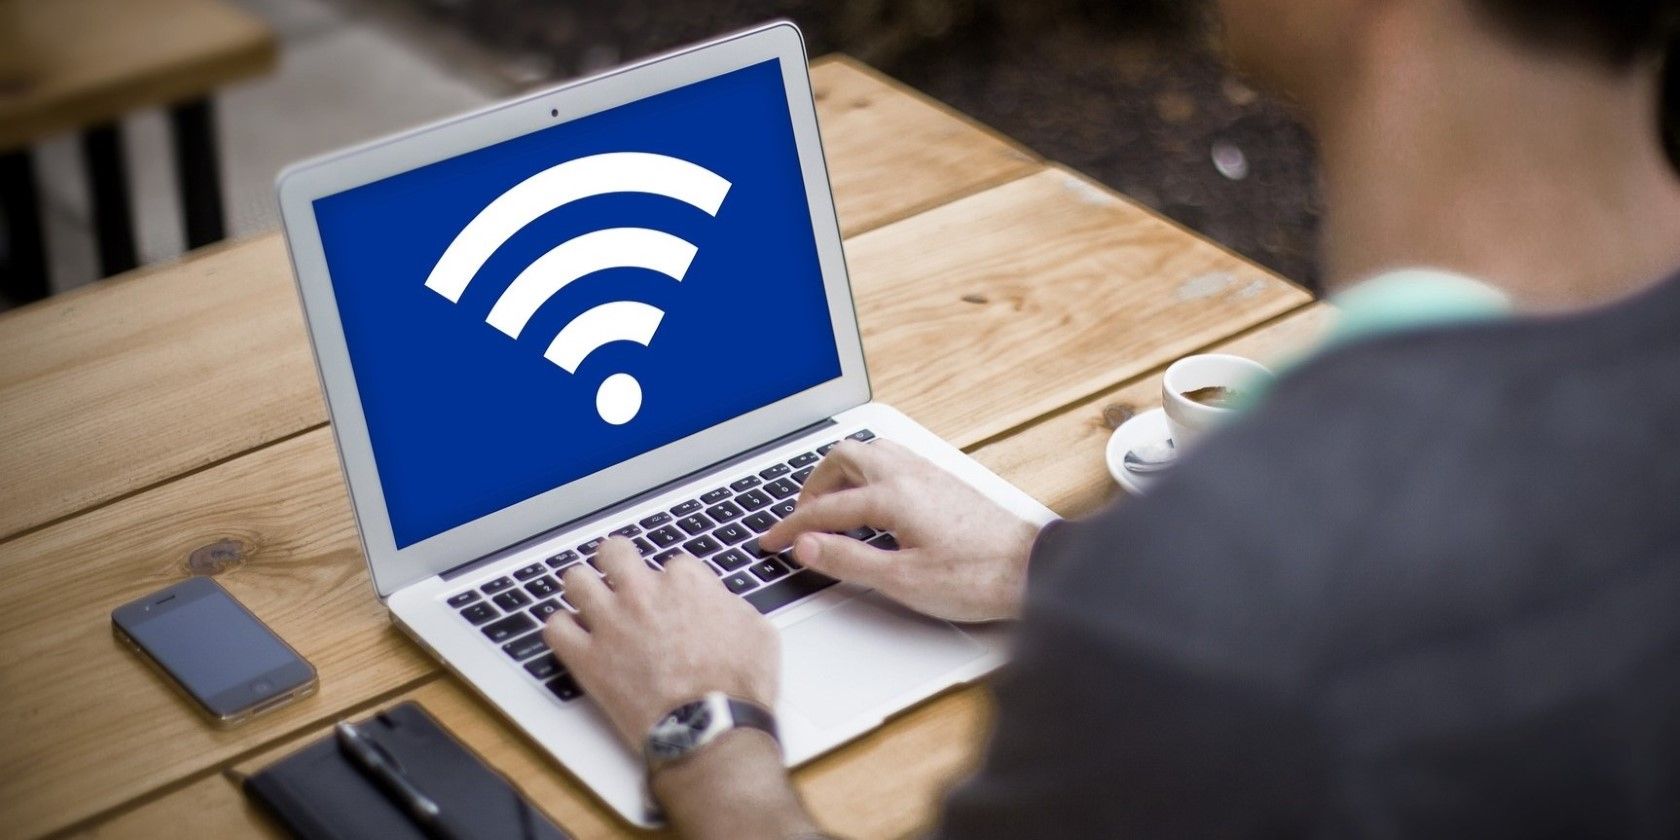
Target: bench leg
x=25, y=264
x=194, y=127
x=108, y=182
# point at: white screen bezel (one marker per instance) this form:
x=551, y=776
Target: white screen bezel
x=300, y=185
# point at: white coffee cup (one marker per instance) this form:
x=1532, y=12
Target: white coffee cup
x=1188, y=420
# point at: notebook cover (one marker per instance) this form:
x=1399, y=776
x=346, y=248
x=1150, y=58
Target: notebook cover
x=319, y=794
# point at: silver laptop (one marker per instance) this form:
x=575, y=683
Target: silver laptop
x=614, y=307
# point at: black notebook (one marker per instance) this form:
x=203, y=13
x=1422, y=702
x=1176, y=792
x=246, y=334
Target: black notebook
x=319, y=793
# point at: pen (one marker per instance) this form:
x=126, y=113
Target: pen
x=371, y=759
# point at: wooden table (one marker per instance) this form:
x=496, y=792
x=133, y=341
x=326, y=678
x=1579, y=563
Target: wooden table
x=169, y=422
x=81, y=65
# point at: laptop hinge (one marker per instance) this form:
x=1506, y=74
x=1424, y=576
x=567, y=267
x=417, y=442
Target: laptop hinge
x=636, y=500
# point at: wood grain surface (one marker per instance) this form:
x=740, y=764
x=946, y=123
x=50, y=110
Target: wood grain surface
x=168, y=423
x=206, y=358
x=68, y=64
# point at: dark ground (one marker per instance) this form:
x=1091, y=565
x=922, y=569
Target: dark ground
x=1128, y=91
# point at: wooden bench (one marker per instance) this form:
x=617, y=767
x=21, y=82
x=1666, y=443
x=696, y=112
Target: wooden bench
x=169, y=423
x=80, y=65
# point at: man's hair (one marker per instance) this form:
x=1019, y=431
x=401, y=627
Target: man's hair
x=1617, y=32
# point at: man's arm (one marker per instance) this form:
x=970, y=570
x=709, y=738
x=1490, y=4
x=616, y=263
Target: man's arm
x=734, y=788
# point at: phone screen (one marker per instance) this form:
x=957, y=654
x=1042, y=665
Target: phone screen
x=215, y=649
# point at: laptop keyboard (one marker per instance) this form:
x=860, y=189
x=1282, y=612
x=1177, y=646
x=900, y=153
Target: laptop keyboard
x=720, y=526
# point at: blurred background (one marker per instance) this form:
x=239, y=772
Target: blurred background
x=1131, y=92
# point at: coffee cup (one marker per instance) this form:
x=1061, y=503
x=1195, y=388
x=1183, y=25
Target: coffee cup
x=1200, y=392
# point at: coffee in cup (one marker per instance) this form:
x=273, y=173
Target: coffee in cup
x=1200, y=392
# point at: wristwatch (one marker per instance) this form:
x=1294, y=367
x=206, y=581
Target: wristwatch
x=691, y=726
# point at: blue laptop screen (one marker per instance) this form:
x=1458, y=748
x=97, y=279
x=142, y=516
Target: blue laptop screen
x=532, y=312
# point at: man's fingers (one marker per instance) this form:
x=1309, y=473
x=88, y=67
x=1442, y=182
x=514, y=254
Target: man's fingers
x=843, y=558
x=686, y=565
x=622, y=564
x=565, y=636
x=584, y=589
x=840, y=511
x=848, y=464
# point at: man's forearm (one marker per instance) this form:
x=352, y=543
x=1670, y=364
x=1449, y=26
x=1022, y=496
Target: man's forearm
x=734, y=788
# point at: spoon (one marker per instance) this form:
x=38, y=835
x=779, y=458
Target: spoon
x=1150, y=458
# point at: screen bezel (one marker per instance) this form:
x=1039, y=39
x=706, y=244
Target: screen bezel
x=228, y=703
x=298, y=187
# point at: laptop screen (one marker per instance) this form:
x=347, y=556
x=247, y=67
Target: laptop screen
x=530, y=313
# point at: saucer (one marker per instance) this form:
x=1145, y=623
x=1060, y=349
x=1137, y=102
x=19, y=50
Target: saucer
x=1149, y=427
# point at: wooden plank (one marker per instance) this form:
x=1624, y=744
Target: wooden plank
x=128, y=383
x=1060, y=461
x=87, y=725
x=73, y=63
x=283, y=508
x=987, y=312
x=901, y=771
x=893, y=153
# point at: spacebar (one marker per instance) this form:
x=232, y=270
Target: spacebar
x=787, y=590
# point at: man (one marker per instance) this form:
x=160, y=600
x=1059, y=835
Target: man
x=1428, y=587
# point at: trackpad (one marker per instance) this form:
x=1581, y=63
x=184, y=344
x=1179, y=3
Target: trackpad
x=846, y=661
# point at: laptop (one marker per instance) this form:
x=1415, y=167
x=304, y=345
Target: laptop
x=614, y=307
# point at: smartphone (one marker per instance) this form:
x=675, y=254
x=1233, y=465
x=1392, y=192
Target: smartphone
x=214, y=650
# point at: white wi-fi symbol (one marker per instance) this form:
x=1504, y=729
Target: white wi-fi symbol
x=620, y=395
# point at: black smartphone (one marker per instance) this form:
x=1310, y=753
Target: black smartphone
x=214, y=650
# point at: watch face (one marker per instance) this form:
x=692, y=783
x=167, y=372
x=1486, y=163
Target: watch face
x=680, y=730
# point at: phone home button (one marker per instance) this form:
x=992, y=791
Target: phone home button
x=261, y=686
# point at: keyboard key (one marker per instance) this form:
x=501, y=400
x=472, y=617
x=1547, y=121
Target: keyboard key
x=528, y=572
x=543, y=587
x=701, y=546
x=496, y=585
x=643, y=547
x=781, y=488
x=627, y=531
x=759, y=522
x=544, y=610
x=565, y=688
x=863, y=435
x=747, y=483
x=713, y=569
x=656, y=520
x=525, y=647
x=739, y=582
x=783, y=510
x=592, y=546
x=723, y=512
x=507, y=628
x=823, y=450
x=665, y=537
x=544, y=667
x=512, y=600
x=686, y=508
x=789, y=561
x=885, y=542
x=776, y=471
x=753, y=499
x=788, y=590
x=804, y=460
x=463, y=599
x=715, y=496
x=694, y=523
x=769, y=570
x=732, y=533
x=479, y=613
x=862, y=532
x=731, y=560
x=756, y=551
x=563, y=559
x=664, y=557
x=799, y=476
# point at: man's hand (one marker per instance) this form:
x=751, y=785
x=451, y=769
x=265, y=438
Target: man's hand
x=645, y=642
x=962, y=557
